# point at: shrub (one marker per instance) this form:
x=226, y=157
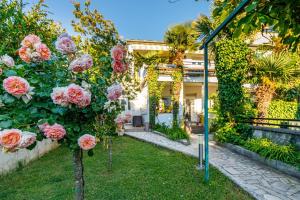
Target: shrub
x=228, y=134
x=174, y=133
x=270, y=150
x=244, y=129
x=282, y=109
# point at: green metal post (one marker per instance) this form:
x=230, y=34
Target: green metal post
x=206, y=112
x=211, y=36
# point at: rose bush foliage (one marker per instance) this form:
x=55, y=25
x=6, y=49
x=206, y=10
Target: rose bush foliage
x=57, y=95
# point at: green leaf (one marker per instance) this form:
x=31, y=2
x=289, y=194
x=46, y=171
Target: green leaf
x=90, y=152
x=4, y=117
x=59, y=110
x=251, y=7
x=8, y=99
x=10, y=72
x=5, y=124
x=32, y=146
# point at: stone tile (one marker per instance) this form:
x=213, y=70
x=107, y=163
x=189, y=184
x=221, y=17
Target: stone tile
x=296, y=196
x=271, y=197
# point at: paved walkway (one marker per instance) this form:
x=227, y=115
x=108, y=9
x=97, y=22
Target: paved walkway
x=259, y=180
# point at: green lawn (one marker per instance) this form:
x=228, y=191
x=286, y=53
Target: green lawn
x=140, y=171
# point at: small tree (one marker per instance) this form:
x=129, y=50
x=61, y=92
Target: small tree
x=269, y=70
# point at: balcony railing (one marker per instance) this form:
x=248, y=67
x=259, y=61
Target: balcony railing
x=188, y=71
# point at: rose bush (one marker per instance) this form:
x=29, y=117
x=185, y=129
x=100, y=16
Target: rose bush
x=55, y=87
x=62, y=99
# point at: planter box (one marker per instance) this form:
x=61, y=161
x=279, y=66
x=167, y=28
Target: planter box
x=276, y=164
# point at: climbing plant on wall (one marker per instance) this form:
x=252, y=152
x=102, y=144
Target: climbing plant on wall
x=177, y=77
x=231, y=69
x=153, y=87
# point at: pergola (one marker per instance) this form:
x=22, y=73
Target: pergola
x=206, y=73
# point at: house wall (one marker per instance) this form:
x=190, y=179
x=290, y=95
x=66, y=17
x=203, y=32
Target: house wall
x=140, y=105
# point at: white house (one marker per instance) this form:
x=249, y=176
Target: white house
x=192, y=92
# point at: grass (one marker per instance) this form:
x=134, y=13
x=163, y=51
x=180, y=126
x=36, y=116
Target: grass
x=140, y=171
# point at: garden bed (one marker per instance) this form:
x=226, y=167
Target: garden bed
x=276, y=164
x=182, y=141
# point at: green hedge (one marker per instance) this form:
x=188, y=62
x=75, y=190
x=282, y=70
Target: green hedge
x=283, y=109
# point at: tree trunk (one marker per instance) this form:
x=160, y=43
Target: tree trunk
x=264, y=95
x=109, y=153
x=78, y=172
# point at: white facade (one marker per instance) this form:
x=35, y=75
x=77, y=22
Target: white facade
x=191, y=94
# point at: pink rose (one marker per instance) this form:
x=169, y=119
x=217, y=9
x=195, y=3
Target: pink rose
x=11, y=138
x=118, y=52
x=87, y=142
x=30, y=41
x=65, y=44
x=27, y=139
x=86, y=100
x=54, y=132
x=114, y=92
x=119, y=120
x=16, y=86
x=7, y=60
x=127, y=117
x=43, y=126
x=25, y=54
x=82, y=63
x=75, y=93
x=119, y=66
x=44, y=51
x=59, y=96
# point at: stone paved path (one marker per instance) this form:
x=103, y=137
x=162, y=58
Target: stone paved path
x=260, y=181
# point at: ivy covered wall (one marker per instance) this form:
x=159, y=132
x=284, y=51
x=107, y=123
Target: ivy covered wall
x=231, y=70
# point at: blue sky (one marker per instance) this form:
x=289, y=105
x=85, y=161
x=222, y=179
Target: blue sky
x=135, y=19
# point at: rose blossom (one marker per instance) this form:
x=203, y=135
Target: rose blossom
x=27, y=139
x=65, y=44
x=25, y=54
x=7, y=60
x=30, y=41
x=87, y=142
x=75, y=93
x=43, y=126
x=118, y=52
x=127, y=117
x=16, y=85
x=59, y=96
x=119, y=66
x=54, y=132
x=86, y=100
x=114, y=92
x=11, y=138
x=82, y=63
x=44, y=51
x=120, y=119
